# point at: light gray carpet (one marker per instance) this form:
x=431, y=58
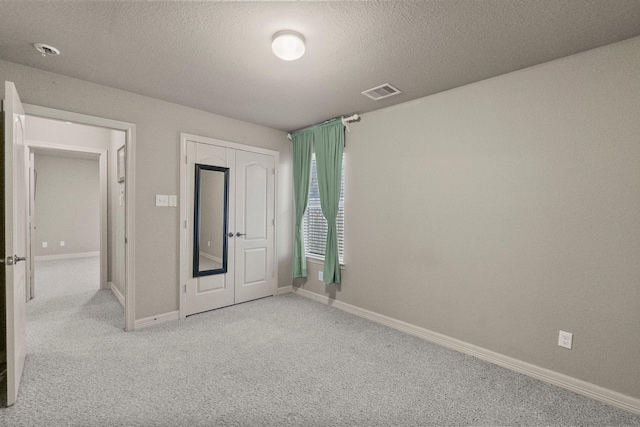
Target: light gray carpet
x=277, y=361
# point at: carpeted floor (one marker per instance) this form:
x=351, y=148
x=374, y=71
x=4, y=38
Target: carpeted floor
x=277, y=361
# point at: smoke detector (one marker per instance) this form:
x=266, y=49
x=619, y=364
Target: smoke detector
x=380, y=92
x=46, y=50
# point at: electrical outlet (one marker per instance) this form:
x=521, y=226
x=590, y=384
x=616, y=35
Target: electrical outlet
x=45, y=244
x=565, y=339
x=61, y=242
x=320, y=275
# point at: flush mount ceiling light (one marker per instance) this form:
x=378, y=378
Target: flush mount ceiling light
x=46, y=50
x=288, y=45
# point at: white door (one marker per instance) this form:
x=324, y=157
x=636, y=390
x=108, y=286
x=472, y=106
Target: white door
x=15, y=231
x=215, y=291
x=251, y=223
x=255, y=223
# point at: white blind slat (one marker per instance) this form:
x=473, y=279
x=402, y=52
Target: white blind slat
x=315, y=226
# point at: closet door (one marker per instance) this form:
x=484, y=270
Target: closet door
x=211, y=291
x=250, y=228
x=255, y=226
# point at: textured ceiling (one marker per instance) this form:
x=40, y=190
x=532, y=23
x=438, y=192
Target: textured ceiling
x=216, y=56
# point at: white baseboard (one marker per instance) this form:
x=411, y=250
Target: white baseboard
x=155, y=320
x=63, y=256
x=584, y=388
x=283, y=290
x=117, y=293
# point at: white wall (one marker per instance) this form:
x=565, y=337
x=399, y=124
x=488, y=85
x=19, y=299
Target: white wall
x=67, y=205
x=501, y=212
x=62, y=133
x=158, y=126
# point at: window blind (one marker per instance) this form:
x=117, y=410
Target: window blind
x=315, y=226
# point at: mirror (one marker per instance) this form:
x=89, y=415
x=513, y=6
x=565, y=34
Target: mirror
x=210, y=220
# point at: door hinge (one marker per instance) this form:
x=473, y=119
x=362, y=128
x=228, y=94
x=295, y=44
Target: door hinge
x=186, y=159
x=273, y=222
x=185, y=223
x=185, y=288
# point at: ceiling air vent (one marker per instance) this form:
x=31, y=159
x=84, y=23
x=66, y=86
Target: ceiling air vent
x=380, y=92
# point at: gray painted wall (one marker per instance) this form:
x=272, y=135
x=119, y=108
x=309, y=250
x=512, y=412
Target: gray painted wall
x=158, y=126
x=67, y=205
x=501, y=212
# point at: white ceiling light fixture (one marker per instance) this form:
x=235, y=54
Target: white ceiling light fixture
x=288, y=45
x=46, y=50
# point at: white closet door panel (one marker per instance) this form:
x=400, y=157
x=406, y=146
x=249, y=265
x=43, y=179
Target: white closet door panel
x=256, y=208
x=208, y=292
x=255, y=266
x=255, y=190
x=211, y=155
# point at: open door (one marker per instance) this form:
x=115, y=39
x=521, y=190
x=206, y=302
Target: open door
x=13, y=216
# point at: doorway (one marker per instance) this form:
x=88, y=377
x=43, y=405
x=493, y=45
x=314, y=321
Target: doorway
x=16, y=244
x=121, y=165
x=68, y=205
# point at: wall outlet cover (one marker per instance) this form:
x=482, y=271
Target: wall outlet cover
x=565, y=339
x=45, y=244
x=61, y=242
x=320, y=275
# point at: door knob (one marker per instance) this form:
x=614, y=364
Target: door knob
x=230, y=234
x=16, y=258
x=240, y=234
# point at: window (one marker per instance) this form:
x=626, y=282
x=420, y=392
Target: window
x=315, y=226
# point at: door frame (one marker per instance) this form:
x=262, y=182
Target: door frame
x=32, y=145
x=184, y=208
x=130, y=173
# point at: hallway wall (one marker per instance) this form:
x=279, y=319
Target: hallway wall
x=67, y=205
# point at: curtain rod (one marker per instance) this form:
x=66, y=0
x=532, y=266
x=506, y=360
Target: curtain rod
x=345, y=120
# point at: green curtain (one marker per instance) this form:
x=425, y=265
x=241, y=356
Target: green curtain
x=302, y=149
x=329, y=146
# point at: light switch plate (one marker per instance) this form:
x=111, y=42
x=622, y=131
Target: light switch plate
x=162, y=200
x=173, y=201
